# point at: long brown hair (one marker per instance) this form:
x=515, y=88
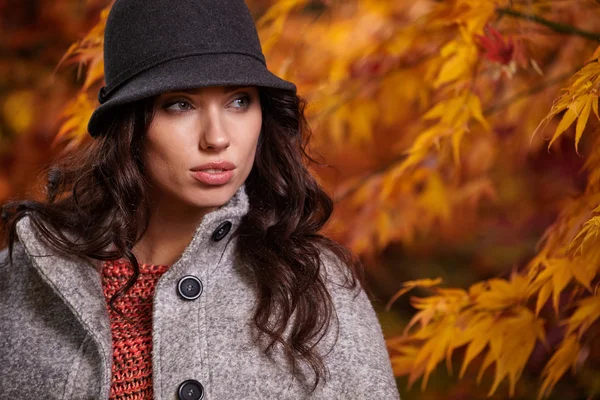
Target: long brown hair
x=100, y=194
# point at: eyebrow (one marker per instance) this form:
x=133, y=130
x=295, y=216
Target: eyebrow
x=226, y=89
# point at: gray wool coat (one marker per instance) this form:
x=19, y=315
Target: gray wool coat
x=56, y=343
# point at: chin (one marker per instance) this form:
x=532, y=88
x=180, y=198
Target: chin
x=212, y=197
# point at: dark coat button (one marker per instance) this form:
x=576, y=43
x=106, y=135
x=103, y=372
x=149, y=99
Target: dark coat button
x=189, y=287
x=221, y=231
x=190, y=390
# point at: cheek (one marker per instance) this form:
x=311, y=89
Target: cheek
x=164, y=150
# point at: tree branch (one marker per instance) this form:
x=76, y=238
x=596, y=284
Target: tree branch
x=557, y=27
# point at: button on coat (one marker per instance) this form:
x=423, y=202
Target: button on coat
x=191, y=390
x=189, y=287
x=221, y=231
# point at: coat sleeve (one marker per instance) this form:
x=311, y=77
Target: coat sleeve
x=359, y=362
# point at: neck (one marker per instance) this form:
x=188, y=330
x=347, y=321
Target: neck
x=170, y=230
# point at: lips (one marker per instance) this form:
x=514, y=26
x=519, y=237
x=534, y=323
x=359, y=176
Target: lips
x=215, y=166
x=214, y=173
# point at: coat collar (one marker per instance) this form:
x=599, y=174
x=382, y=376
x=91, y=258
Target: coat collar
x=78, y=282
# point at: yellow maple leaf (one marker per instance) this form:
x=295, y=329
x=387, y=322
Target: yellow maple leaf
x=543, y=296
x=507, y=350
x=95, y=72
x=557, y=274
x=518, y=348
x=503, y=294
x=434, y=197
x=483, y=322
x=459, y=57
x=409, y=285
x=566, y=356
x=403, y=362
x=577, y=102
x=454, y=115
x=590, y=231
x=438, y=347
x=586, y=313
x=76, y=116
x=448, y=301
x=575, y=111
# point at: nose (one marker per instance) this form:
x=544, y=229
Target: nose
x=214, y=136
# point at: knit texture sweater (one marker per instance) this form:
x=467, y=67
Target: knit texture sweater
x=132, y=336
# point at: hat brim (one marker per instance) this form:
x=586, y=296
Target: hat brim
x=187, y=73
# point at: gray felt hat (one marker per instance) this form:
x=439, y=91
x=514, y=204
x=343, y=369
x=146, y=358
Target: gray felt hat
x=154, y=46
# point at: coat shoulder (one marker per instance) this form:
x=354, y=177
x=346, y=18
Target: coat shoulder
x=15, y=263
x=358, y=361
x=15, y=271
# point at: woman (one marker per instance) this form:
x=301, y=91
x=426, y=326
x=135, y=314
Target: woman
x=178, y=255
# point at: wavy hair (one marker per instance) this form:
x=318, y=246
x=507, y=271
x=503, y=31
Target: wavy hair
x=100, y=195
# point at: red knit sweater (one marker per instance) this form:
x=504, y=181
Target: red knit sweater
x=132, y=340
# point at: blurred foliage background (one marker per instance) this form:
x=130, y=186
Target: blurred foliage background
x=460, y=140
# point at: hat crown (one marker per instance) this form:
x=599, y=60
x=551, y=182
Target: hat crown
x=141, y=34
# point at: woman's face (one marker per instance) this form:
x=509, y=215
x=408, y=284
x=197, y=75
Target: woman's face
x=200, y=147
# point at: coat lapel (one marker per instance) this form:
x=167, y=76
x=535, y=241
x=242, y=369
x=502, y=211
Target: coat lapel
x=78, y=283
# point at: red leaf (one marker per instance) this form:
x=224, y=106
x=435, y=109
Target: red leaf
x=495, y=47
